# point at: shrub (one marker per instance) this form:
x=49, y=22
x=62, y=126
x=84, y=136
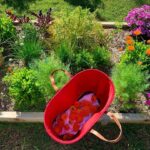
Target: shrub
x=97, y=58
x=43, y=69
x=29, y=47
x=139, y=18
x=82, y=60
x=137, y=54
x=65, y=53
x=7, y=29
x=7, y=34
x=25, y=90
x=129, y=81
x=78, y=28
x=101, y=58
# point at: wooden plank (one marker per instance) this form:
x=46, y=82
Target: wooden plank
x=114, y=24
x=38, y=117
x=21, y=116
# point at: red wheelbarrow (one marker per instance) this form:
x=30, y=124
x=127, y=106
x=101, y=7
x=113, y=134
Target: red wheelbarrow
x=91, y=80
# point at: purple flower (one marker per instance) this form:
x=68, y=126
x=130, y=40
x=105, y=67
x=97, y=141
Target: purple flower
x=139, y=18
x=147, y=102
x=148, y=95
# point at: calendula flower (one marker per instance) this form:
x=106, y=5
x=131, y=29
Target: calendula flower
x=93, y=98
x=57, y=129
x=76, y=127
x=148, y=52
x=128, y=37
x=148, y=42
x=137, y=32
x=129, y=42
x=64, y=117
x=131, y=48
x=139, y=63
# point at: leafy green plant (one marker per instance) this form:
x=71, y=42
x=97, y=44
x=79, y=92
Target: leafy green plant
x=25, y=90
x=44, y=68
x=7, y=31
x=82, y=60
x=65, y=53
x=101, y=58
x=129, y=81
x=29, y=47
x=97, y=58
x=79, y=28
x=1, y=56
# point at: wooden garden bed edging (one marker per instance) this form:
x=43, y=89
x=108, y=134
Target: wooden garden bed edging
x=106, y=25
x=8, y=116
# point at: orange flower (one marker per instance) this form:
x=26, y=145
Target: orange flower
x=137, y=32
x=93, y=98
x=76, y=127
x=79, y=119
x=131, y=48
x=77, y=104
x=68, y=136
x=139, y=63
x=148, y=52
x=64, y=117
x=128, y=37
x=66, y=127
x=120, y=49
x=148, y=41
x=129, y=42
x=57, y=129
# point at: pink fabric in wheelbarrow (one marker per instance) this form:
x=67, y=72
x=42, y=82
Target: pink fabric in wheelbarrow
x=69, y=123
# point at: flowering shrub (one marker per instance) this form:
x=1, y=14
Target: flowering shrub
x=139, y=18
x=137, y=53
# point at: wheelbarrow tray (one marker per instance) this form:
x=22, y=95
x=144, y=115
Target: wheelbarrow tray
x=90, y=80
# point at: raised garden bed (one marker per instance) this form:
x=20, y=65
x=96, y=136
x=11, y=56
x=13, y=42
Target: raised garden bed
x=75, y=42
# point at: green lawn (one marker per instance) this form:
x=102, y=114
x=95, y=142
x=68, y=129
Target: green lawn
x=108, y=10
x=33, y=137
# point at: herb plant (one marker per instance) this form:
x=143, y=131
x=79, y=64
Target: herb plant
x=129, y=80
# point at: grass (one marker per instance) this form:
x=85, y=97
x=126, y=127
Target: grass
x=108, y=10
x=25, y=136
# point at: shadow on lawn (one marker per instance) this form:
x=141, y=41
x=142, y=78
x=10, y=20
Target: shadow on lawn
x=91, y=4
x=142, y=2
x=19, y=5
